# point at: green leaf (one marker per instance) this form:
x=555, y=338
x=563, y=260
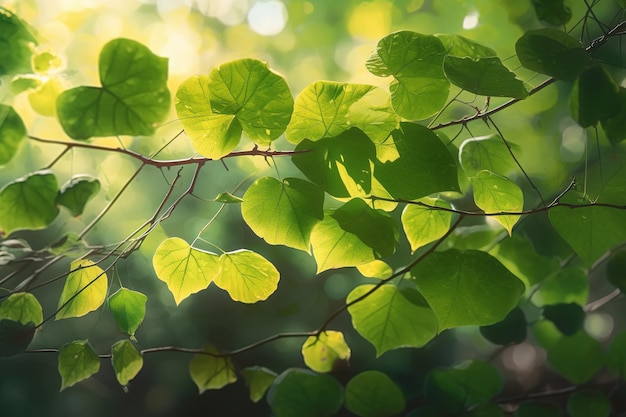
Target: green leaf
x=77, y=361
x=487, y=153
x=84, y=290
x=321, y=352
x=484, y=76
x=594, y=97
x=259, y=380
x=588, y=403
x=466, y=288
x=327, y=109
x=283, y=212
x=511, y=330
x=552, y=52
x=615, y=126
x=184, y=269
x=567, y=285
x=568, y=318
x=554, y=12
x=239, y=95
x=45, y=62
x=373, y=394
x=422, y=157
x=460, y=46
x=126, y=360
x=77, y=192
x=22, y=307
x=228, y=198
x=616, y=270
x=578, y=358
x=375, y=269
x=14, y=337
x=496, y=194
x=16, y=40
x=28, y=202
x=391, y=318
x=299, y=392
x=211, y=372
x=352, y=235
x=590, y=231
x=420, y=88
x=339, y=165
x=68, y=245
x=545, y=333
x=129, y=309
x=25, y=82
x=616, y=357
x=538, y=409
x=423, y=225
x=133, y=97
x=12, y=132
x=247, y=276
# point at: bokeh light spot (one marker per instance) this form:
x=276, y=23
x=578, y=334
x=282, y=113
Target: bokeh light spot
x=267, y=18
x=370, y=20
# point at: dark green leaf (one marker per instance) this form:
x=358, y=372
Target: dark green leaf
x=588, y=403
x=283, y=212
x=352, y=235
x=616, y=270
x=77, y=192
x=28, y=202
x=211, y=372
x=594, y=97
x=568, y=318
x=538, y=409
x=616, y=358
x=466, y=288
x=554, y=12
x=15, y=38
x=12, y=132
x=552, y=52
x=301, y=393
x=339, y=165
x=420, y=88
x=615, y=126
x=420, y=156
x=14, y=337
x=22, y=307
x=511, y=330
x=132, y=99
x=483, y=76
x=373, y=394
x=578, y=358
x=259, y=380
x=390, y=318
x=129, y=309
x=77, y=361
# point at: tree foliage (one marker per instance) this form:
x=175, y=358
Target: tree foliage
x=450, y=224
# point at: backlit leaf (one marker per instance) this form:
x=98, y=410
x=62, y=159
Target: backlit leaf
x=466, y=288
x=321, y=352
x=302, y=393
x=420, y=88
x=239, y=95
x=77, y=192
x=594, y=97
x=578, y=358
x=375, y=269
x=259, y=380
x=422, y=157
x=373, y=394
x=28, y=202
x=485, y=76
x=552, y=52
x=22, y=307
x=496, y=194
x=77, y=362
x=567, y=285
x=84, y=290
x=15, y=37
x=352, y=235
x=487, y=153
x=211, y=372
x=283, y=212
x=184, y=269
x=12, y=132
x=423, y=225
x=460, y=46
x=126, y=360
x=132, y=99
x=128, y=308
x=391, y=318
x=247, y=276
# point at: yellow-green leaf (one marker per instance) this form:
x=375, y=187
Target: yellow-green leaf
x=259, y=380
x=211, y=372
x=84, y=290
x=247, y=276
x=184, y=269
x=22, y=307
x=423, y=225
x=496, y=194
x=321, y=352
x=126, y=360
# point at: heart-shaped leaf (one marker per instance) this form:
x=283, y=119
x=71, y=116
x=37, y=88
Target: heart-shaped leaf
x=126, y=360
x=84, y=290
x=321, y=352
x=77, y=362
x=247, y=276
